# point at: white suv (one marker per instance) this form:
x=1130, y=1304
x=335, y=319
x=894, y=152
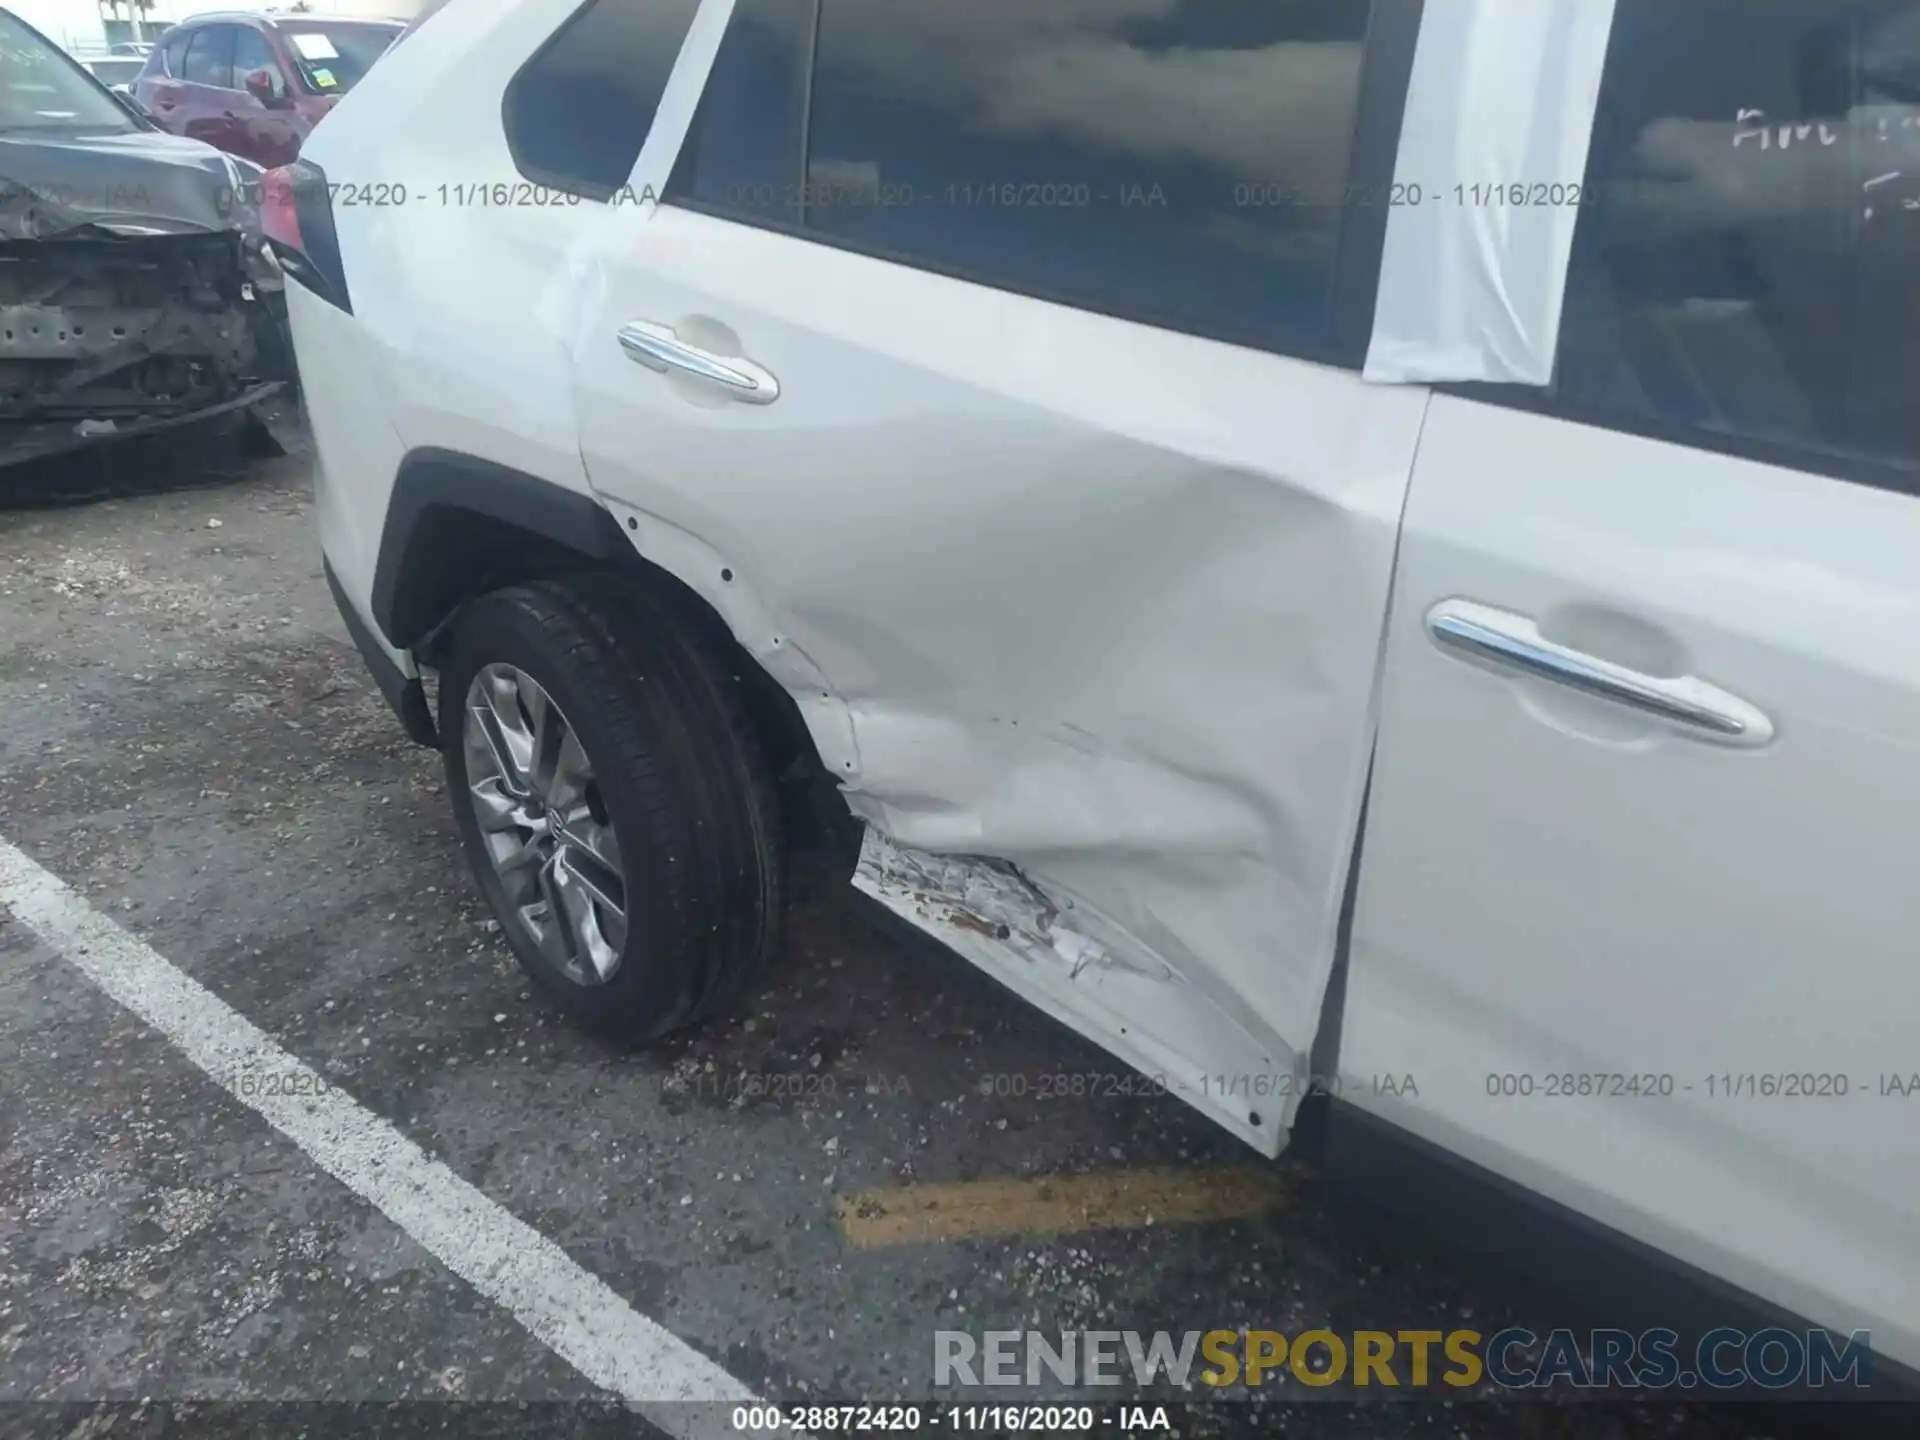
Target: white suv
x=1333, y=546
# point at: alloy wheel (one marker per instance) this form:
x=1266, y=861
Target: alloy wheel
x=540, y=811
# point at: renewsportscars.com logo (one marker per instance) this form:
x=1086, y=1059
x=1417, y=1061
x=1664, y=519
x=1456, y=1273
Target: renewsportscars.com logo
x=1512, y=1359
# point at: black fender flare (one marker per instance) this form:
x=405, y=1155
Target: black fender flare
x=434, y=488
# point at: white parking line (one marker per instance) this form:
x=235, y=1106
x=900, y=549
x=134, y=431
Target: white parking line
x=572, y=1311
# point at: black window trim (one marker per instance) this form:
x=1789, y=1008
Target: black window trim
x=1543, y=400
x=167, y=67
x=1393, y=29
x=808, y=58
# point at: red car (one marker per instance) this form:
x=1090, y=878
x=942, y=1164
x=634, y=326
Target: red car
x=255, y=85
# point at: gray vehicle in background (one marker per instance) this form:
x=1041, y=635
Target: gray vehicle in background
x=116, y=72
x=135, y=293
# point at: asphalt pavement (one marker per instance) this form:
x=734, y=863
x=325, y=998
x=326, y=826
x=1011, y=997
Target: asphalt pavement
x=230, y=871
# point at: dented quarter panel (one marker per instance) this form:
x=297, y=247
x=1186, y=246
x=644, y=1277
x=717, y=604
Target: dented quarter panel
x=1098, y=600
x=733, y=599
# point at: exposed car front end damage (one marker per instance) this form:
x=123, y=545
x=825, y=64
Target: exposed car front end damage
x=135, y=293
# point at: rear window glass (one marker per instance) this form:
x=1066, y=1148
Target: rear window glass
x=578, y=113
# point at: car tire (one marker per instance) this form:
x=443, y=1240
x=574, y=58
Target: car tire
x=675, y=775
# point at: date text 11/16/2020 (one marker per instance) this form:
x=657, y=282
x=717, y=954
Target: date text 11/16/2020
x=970, y=194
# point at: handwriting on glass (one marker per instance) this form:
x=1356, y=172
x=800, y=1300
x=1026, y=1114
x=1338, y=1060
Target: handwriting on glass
x=1751, y=128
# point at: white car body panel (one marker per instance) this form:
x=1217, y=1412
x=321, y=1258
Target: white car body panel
x=1099, y=600
x=1120, y=608
x=1499, y=93
x=461, y=308
x=356, y=449
x=1552, y=883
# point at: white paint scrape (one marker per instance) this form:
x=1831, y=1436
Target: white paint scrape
x=572, y=1311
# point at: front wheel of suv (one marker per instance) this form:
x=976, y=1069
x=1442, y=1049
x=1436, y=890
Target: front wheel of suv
x=612, y=800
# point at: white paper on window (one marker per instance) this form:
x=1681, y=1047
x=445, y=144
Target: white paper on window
x=315, y=46
x=1499, y=115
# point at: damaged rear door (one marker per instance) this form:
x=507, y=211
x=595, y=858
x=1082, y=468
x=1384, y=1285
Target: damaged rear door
x=992, y=369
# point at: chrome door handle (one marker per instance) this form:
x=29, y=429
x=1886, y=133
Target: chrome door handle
x=658, y=348
x=1513, y=642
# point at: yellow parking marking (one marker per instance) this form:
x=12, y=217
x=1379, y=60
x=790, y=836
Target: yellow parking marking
x=1047, y=1205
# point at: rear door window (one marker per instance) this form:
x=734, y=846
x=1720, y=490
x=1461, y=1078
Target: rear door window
x=1197, y=164
x=1182, y=164
x=1747, y=271
x=210, y=57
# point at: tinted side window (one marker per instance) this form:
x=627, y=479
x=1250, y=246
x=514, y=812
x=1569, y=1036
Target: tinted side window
x=174, y=55
x=1748, y=268
x=1182, y=162
x=742, y=154
x=250, y=53
x=1112, y=141
x=210, y=57
x=579, y=110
